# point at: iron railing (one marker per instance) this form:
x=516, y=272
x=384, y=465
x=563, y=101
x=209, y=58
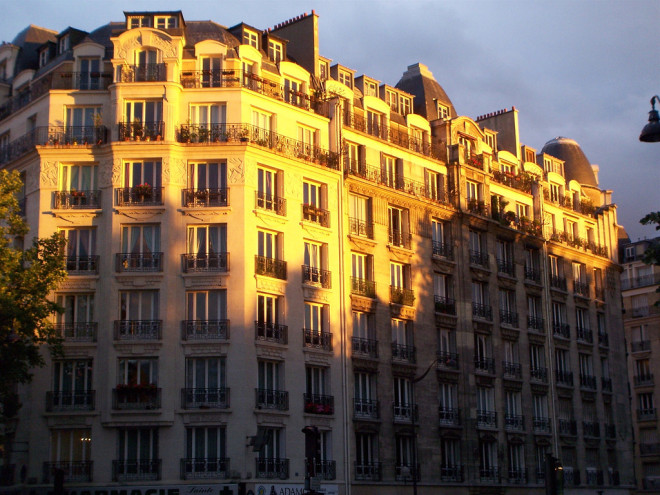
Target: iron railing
x=271, y=202
x=487, y=419
x=445, y=305
x=82, y=265
x=399, y=295
x=483, y=311
x=479, y=258
x=314, y=214
x=368, y=471
x=317, y=339
x=270, y=267
x=484, y=365
x=73, y=471
x=514, y=422
x=511, y=370
x=449, y=416
x=142, y=73
x=270, y=467
x=363, y=287
x=443, y=249
x=150, y=130
x=80, y=331
x=316, y=276
x=319, y=404
x=266, y=398
x=70, y=400
x=136, y=470
x=270, y=332
x=205, y=330
x=363, y=228
x=206, y=197
x=364, y=347
x=405, y=353
x=205, y=262
x=195, y=468
x=365, y=409
x=77, y=200
x=205, y=398
x=136, y=397
x=405, y=412
x=447, y=360
x=138, y=329
x=142, y=195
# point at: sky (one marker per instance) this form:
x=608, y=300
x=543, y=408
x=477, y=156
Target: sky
x=582, y=69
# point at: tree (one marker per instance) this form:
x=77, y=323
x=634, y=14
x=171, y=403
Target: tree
x=652, y=253
x=27, y=278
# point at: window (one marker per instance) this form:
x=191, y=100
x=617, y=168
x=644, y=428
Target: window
x=448, y=400
x=138, y=454
x=516, y=457
x=210, y=76
x=359, y=211
x=489, y=138
x=366, y=456
x=442, y=287
x=522, y=211
x=78, y=177
x=370, y=89
x=555, y=192
x=346, y=78
x=63, y=44
x=138, y=315
x=43, y=57
x=363, y=325
x=587, y=378
x=207, y=376
x=505, y=259
x=80, y=123
x=582, y=323
x=274, y=51
x=80, y=249
x=441, y=238
x=207, y=184
x=166, y=21
x=250, y=38
x=70, y=451
x=405, y=456
x=375, y=123
x=207, y=248
x=405, y=105
x=392, y=99
x=399, y=230
x=140, y=248
x=450, y=462
x=563, y=366
x=486, y=415
x=480, y=300
x=403, y=399
x=208, y=115
x=434, y=183
x=142, y=118
x=268, y=186
x=482, y=353
x=314, y=259
x=477, y=246
x=138, y=371
x=541, y=417
x=645, y=403
x=206, y=451
x=391, y=171
x=77, y=320
x=90, y=73
x=270, y=463
x=354, y=159
x=317, y=394
x=399, y=275
x=362, y=275
x=270, y=382
x=313, y=203
x=532, y=265
x=365, y=386
x=537, y=362
x=559, y=325
x=324, y=70
x=443, y=111
x=72, y=385
x=143, y=173
x=508, y=310
x=403, y=348
x=139, y=21
x=293, y=94
x=447, y=347
x=206, y=305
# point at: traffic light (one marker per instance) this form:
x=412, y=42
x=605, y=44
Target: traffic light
x=554, y=476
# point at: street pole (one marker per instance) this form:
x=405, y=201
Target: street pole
x=414, y=427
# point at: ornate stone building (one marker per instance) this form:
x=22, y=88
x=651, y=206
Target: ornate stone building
x=259, y=240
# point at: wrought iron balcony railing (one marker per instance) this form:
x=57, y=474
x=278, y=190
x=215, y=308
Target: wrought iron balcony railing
x=517, y=476
x=270, y=467
x=138, y=329
x=508, y=318
x=272, y=399
x=407, y=472
x=82, y=331
x=447, y=360
x=266, y=201
x=483, y=311
x=511, y=370
x=581, y=289
x=564, y=377
x=316, y=276
x=368, y=471
x=363, y=287
x=489, y=474
x=141, y=131
x=406, y=353
x=365, y=409
x=507, y=267
x=538, y=373
x=606, y=384
x=640, y=345
x=317, y=339
x=399, y=239
x=451, y=473
x=361, y=227
x=136, y=470
x=142, y=195
x=536, y=323
x=445, y=305
x=533, y=274
x=479, y=258
x=541, y=424
x=77, y=200
x=73, y=471
x=205, y=398
x=364, y=347
x=399, y=295
x=206, y=197
x=484, y=365
x=588, y=382
x=205, y=330
x=142, y=73
x=643, y=379
x=314, y=214
x=324, y=469
x=591, y=429
x=319, y=404
x=646, y=414
x=271, y=332
x=205, y=262
x=514, y=422
x=584, y=335
x=449, y=416
x=70, y=400
x=567, y=427
x=557, y=282
x=562, y=330
x=136, y=396
x=270, y=267
x=205, y=468
x=405, y=412
x=82, y=265
x=443, y=249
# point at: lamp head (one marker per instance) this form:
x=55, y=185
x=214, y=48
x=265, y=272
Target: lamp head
x=651, y=131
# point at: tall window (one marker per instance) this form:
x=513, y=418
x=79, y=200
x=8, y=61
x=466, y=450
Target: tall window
x=274, y=51
x=72, y=383
x=399, y=232
x=366, y=456
x=206, y=449
x=206, y=305
x=405, y=446
x=363, y=325
x=434, y=183
x=262, y=121
x=359, y=213
x=71, y=449
x=77, y=177
x=403, y=399
x=375, y=122
x=207, y=375
x=211, y=66
x=268, y=185
x=80, y=248
x=138, y=371
x=139, y=173
x=391, y=173
x=80, y=121
x=138, y=449
x=440, y=235
x=207, y=114
x=147, y=113
x=140, y=239
x=78, y=308
x=207, y=241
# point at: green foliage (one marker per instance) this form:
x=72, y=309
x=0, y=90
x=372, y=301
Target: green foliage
x=652, y=253
x=26, y=280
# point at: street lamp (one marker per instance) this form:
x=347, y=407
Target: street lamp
x=651, y=131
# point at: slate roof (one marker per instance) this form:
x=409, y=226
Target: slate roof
x=419, y=81
x=29, y=40
x=576, y=165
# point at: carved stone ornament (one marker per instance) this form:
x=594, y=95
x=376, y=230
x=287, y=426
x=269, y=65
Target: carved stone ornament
x=271, y=285
x=236, y=171
x=204, y=417
x=116, y=172
x=364, y=304
x=404, y=312
x=269, y=351
x=32, y=178
x=73, y=284
x=130, y=41
x=215, y=281
x=105, y=173
x=174, y=171
x=315, y=294
x=48, y=174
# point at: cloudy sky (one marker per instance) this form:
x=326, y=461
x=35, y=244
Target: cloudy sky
x=584, y=69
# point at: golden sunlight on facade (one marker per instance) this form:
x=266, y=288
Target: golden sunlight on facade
x=259, y=240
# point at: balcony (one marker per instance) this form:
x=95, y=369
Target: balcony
x=399, y=295
x=141, y=131
x=405, y=353
x=447, y=360
x=538, y=374
x=316, y=339
x=133, y=396
x=588, y=382
x=507, y=267
x=640, y=346
x=482, y=311
x=74, y=471
x=541, y=424
x=142, y=195
x=536, y=323
x=266, y=398
x=562, y=330
x=399, y=239
x=590, y=429
x=133, y=470
x=205, y=262
x=326, y=470
x=406, y=472
x=649, y=448
x=606, y=384
x=270, y=332
x=610, y=431
x=509, y=318
x=66, y=401
x=360, y=227
x=533, y=274
x=319, y=404
x=83, y=331
x=451, y=473
x=486, y=419
x=557, y=282
x=567, y=427
x=204, y=468
x=82, y=265
x=445, y=305
x=523, y=181
x=271, y=468
x=142, y=73
x=77, y=200
x=363, y=287
x=646, y=414
x=512, y=370
x=270, y=267
x=514, y=422
x=489, y=475
x=643, y=281
x=581, y=289
x=206, y=197
x=365, y=409
x=484, y=365
x=270, y=202
x=405, y=412
x=205, y=398
x=517, y=476
x=479, y=258
x=205, y=330
x=564, y=378
x=603, y=339
x=643, y=380
x=443, y=250
x=449, y=416
x=364, y=347
x=138, y=329
x=315, y=276
x=478, y=207
x=314, y=214
x=370, y=471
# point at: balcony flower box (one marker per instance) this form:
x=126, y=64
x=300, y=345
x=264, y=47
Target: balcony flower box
x=143, y=191
x=314, y=408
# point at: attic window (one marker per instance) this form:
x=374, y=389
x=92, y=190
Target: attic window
x=490, y=140
x=443, y=111
x=250, y=38
x=392, y=99
x=370, y=89
x=43, y=57
x=274, y=51
x=166, y=21
x=405, y=105
x=530, y=156
x=345, y=78
x=139, y=21
x=64, y=44
x=323, y=70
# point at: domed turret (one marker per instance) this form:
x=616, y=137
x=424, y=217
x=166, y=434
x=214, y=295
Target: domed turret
x=418, y=80
x=576, y=165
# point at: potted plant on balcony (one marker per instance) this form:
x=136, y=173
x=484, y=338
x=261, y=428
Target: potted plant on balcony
x=143, y=191
x=137, y=129
x=203, y=134
x=184, y=134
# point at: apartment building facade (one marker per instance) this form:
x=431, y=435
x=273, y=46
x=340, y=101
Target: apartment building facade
x=257, y=245
x=639, y=282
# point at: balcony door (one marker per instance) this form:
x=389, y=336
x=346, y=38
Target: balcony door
x=90, y=73
x=205, y=373
x=73, y=375
x=208, y=305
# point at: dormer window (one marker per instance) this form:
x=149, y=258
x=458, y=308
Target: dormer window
x=43, y=57
x=324, y=70
x=392, y=99
x=346, y=78
x=274, y=51
x=506, y=167
x=370, y=89
x=490, y=140
x=250, y=38
x=530, y=156
x=166, y=21
x=443, y=111
x=139, y=21
x=64, y=44
x=405, y=105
